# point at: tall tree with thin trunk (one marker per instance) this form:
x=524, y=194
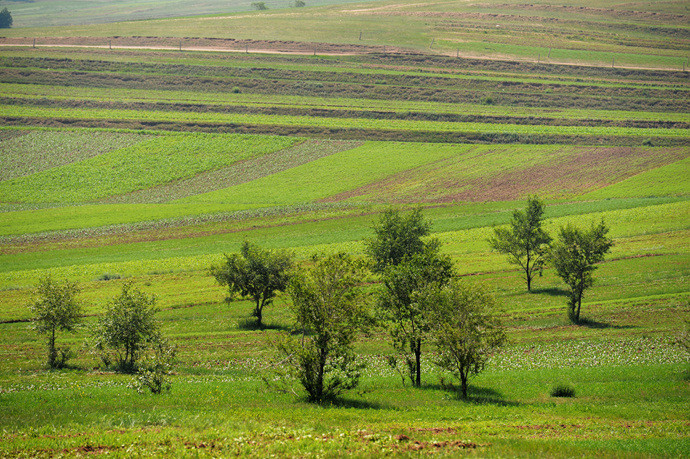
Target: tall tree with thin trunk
x=574, y=255
x=524, y=241
x=56, y=309
x=465, y=329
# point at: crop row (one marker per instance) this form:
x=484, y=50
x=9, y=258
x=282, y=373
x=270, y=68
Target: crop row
x=11, y=111
x=672, y=100
x=362, y=77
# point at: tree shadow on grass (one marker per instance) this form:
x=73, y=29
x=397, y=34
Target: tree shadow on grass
x=356, y=403
x=551, y=291
x=250, y=324
x=590, y=323
x=475, y=394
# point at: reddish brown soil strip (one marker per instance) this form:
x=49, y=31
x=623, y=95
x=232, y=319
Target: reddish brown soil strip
x=241, y=172
x=583, y=170
x=206, y=44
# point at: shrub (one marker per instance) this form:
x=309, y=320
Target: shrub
x=108, y=276
x=563, y=390
x=154, y=368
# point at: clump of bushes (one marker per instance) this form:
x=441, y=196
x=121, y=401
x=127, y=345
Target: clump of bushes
x=563, y=390
x=108, y=276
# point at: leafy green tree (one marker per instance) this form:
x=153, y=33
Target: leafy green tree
x=525, y=242
x=329, y=310
x=574, y=255
x=407, y=264
x=401, y=308
x=397, y=237
x=299, y=4
x=127, y=328
x=260, y=6
x=56, y=308
x=255, y=273
x=5, y=19
x=464, y=328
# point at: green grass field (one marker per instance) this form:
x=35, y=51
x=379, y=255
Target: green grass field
x=147, y=165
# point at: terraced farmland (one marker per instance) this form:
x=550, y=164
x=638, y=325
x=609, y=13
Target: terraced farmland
x=145, y=164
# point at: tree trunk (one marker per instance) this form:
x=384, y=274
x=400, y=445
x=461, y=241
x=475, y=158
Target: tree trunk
x=258, y=313
x=52, y=354
x=463, y=383
x=418, y=362
x=529, y=282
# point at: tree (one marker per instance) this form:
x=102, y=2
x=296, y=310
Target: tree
x=154, y=368
x=465, y=330
x=260, y=6
x=525, y=242
x=255, y=273
x=127, y=328
x=397, y=237
x=574, y=256
x=329, y=310
x=56, y=309
x=5, y=19
x=407, y=264
x=299, y=4
x=400, y=306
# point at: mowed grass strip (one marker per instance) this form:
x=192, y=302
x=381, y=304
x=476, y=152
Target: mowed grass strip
x=10, y=111
x=155, y=161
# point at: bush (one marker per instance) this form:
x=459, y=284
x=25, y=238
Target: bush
x=154, y=368
x=108, y=276
x=563, y=390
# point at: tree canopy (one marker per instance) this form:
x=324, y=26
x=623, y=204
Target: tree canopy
x=5, y=19
x=255, y=273
x=574, y=255
x=524, y=241
x=127, y=327
x=329, y=309
x=465, y=328
x=56, y=308
x=397, y=237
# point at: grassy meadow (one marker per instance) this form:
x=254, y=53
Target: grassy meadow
x=147, y=165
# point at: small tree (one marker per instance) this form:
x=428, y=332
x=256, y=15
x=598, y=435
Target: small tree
x=299, y=4
x=465, y=330
x=525, y=242
x=127, y=327
x=5, y=19
x=397, y=237
x=574, y=256
x=260, y=6
x=401, y=307
x=329, y=309
x=56, y=309
x=255, y=273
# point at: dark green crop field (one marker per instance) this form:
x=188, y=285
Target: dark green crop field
x=141, y=152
